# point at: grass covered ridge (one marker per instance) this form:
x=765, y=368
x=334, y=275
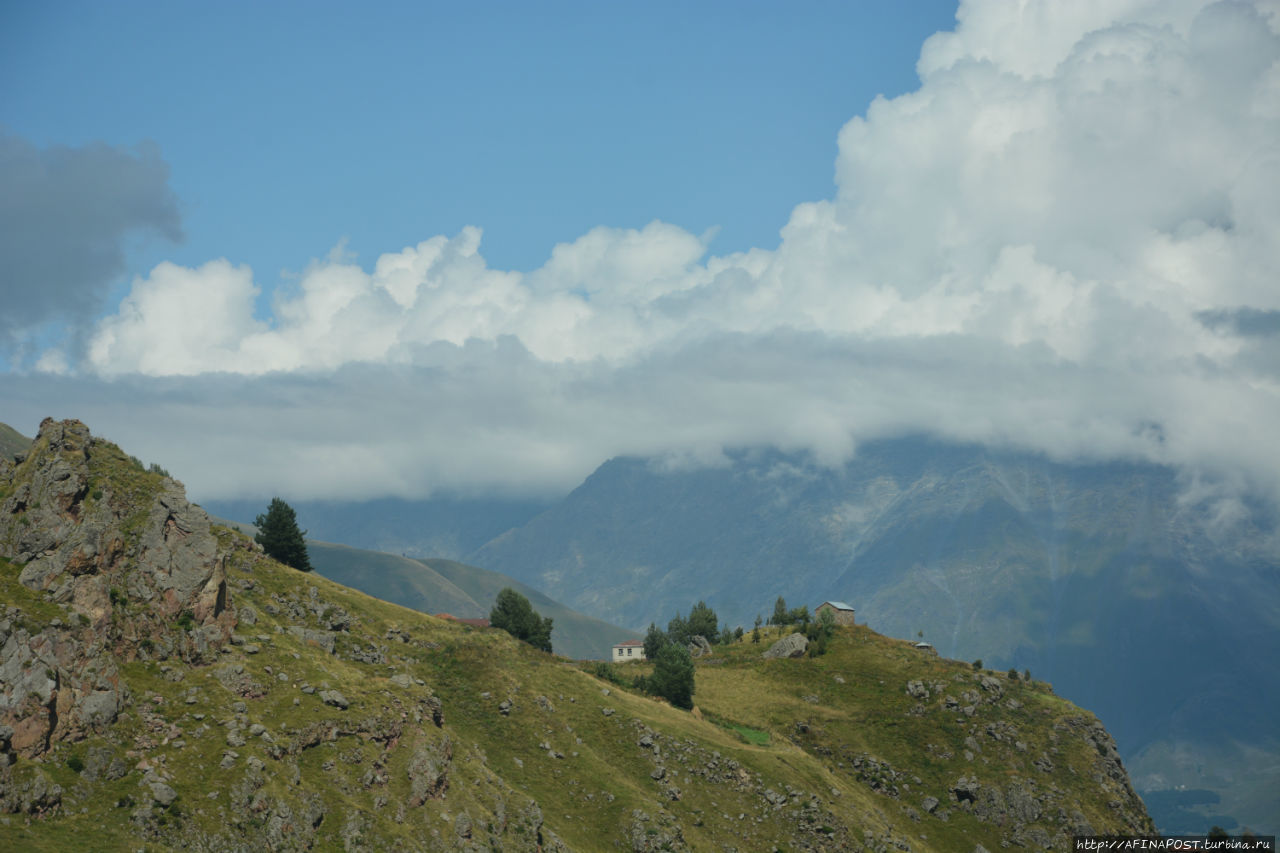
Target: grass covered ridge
x=532, y=750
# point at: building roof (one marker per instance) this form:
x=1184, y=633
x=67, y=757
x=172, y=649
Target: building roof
x=629, y=643
x=838, y=605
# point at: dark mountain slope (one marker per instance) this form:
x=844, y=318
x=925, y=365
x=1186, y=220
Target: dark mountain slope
x=1100, y=578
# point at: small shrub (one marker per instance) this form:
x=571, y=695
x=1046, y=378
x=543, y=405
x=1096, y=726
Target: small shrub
x=97, y=494
x=75, y=763
x=186, y=622
x=116, y=596
x=124, y=802
x=977, y=665
x=1013, y=674
x=609, y=673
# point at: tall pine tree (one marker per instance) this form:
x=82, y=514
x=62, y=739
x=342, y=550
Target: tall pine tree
x=279, y=536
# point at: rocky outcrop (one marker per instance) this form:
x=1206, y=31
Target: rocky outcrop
x=77, y=543
x=699, y=647
x=132, y=565
x=792, y=646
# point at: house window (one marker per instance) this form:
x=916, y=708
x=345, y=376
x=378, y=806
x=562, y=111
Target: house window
x=628, y=651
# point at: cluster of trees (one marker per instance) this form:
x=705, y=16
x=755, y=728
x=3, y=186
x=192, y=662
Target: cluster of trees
x=673, y=670
x=672, y=677
x=796, y=616
x=280, y=537
x=513, y=613
x=817, y=631
x=702, y=622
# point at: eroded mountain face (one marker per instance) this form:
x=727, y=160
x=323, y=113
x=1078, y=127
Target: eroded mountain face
x=162, y=681
x=90, y=533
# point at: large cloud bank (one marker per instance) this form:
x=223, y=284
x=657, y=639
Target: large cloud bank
x=1067, y=239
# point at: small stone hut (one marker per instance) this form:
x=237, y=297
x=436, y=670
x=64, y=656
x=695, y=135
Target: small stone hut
x=842, y=612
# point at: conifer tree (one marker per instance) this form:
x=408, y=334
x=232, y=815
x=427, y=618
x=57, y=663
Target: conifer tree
x=280, y=538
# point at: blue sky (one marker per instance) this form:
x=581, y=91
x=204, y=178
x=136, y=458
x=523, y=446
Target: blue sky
x=290, y=126
x=567, y=232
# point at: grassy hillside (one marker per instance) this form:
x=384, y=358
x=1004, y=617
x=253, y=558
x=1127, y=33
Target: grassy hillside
x=167, y=687
x=12, y=442
x=252, y=753
x=443, y=586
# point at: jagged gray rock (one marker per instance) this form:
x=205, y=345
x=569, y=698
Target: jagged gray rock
x=334, y=698
x=699, y=647
x=791, y=646
x=91, y=552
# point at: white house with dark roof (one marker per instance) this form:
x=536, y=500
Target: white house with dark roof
x=628, y=650
x=842, y=612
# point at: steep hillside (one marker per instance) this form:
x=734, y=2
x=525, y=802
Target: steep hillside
x=1098, y=578
x=166, y=686
x=12, y=442
x=443, y=586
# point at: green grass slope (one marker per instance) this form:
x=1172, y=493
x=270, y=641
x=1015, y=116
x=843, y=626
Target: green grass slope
x=12, y=442
x=443, y=586
x=259, y=760
x=275, y=710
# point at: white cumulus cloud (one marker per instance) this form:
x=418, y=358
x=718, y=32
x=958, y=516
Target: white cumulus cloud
x=1065, y=239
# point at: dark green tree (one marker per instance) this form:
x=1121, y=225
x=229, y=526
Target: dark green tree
x=672, y=677
x=654, y=640
x=780, y=614
x=280, y=538
x=513, y=613
x=755, y=632
x=703, y=621
x=678, y=630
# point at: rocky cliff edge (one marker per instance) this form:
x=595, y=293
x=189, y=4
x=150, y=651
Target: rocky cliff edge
x=134, y=561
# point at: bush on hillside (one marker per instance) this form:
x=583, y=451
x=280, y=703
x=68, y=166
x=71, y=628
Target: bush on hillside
x=672, y=677
x=513, y=613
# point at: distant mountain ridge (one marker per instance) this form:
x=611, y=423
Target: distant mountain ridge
x=441, y=526
x=445, y=586
x=1097, y=577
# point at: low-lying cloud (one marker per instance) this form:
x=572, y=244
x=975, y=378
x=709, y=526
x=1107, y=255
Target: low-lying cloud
x=1065, y=240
